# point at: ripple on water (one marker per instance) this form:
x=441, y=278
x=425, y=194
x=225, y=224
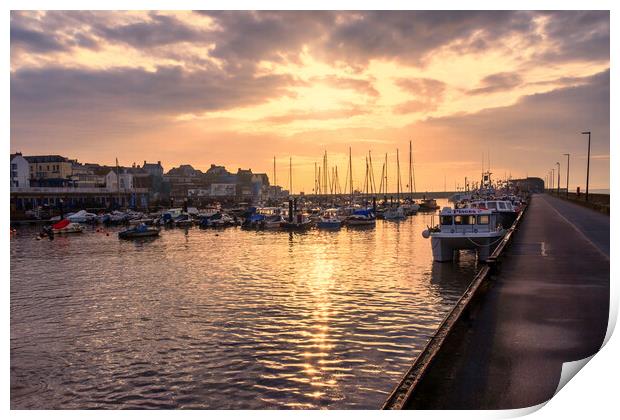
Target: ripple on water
x=238, y=320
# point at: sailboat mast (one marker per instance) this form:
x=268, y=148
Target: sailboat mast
x=386, y=175
x=410, y=171
x=290, y=174
x=398, y=179
x=350, y=175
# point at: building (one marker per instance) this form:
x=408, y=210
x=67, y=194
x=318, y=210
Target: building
x=183, y=179
x=50, y=167
x=20, y=171
x=530, y=184
x=154, y=169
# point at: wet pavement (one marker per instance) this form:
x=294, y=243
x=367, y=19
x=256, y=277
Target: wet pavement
x=548, y=305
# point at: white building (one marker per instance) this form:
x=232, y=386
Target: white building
x=20, y=171
x=112, y=180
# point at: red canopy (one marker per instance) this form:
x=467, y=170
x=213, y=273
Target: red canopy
x=61, y=224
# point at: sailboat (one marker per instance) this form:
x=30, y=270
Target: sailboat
x=397, y=213
x=411, y=207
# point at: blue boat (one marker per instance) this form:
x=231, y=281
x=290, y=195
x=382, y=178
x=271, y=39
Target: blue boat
x=140, y=231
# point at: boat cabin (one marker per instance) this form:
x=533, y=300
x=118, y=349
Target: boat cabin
x=495, y=205
x=469, y=220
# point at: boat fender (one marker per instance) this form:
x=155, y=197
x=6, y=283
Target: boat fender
x=426, y=234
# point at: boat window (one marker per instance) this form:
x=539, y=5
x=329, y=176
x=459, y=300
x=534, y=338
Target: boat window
x=501, y=205
x=446, y=220
x=464, y=220
x=483, y=219
x=492, y=205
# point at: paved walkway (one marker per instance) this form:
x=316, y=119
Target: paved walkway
x=549, y=305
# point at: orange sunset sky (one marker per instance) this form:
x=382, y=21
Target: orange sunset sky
x=238, y=88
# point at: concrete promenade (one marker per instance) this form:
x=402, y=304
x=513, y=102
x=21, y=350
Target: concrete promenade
x=548, y=305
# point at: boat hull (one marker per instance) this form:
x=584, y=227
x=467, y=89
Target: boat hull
x=135, y=235
x=444, y=245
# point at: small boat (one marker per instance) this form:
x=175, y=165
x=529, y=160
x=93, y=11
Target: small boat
x=140, y=231
x=329, y=220
x=217, y=220
x=428, y=204
x=82, y=216
x=273, y=222
x=411, y=209
x=397, y=213
x=299, y=222
x=362, y=217
x=65, y=226
x=184, y=220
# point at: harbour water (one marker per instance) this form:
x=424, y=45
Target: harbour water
x=224, y=319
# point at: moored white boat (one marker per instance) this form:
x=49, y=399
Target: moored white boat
x=465, y=229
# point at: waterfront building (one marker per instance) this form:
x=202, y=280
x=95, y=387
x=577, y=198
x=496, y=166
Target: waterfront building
x=50, y=167
x=20, y=171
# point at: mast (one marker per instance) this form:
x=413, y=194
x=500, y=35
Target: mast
x=410, y=173
x=290, y=175
x=350, y=175
x=118, y=184
x=274, y=171
x=398, y=179
x=316, y=191
x=386, y=175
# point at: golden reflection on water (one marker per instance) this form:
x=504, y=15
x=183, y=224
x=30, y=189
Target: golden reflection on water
x=224, y=319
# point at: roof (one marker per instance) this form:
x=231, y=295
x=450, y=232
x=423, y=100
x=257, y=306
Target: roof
x=46, y=159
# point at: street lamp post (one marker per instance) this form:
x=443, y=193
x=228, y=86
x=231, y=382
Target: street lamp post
x=552, y=180
x=567, y=171
x=588, y=170
x=558, y=163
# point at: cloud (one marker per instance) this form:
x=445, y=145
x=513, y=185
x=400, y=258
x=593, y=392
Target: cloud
x=497, y=82
x=34, y=41
x=330, y=114
x=158, y=30
x=362, y=86
x=576, y=35
x=429, y=94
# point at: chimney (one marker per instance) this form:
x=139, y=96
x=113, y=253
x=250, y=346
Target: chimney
x=159, y=162
x=144, y=164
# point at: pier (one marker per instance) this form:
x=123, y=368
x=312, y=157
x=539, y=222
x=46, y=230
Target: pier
x=547, y=304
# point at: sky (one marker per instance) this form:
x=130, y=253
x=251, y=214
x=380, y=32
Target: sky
x=513, y=89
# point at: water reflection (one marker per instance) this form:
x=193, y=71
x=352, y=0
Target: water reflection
x=227, y=319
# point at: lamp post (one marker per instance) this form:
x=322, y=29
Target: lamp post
x=552, y=180
x=567, y=171
x=588, y=170
x=558, y=163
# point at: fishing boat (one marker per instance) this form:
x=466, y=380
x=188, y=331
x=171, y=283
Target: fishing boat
x=474, y=228
x=362, y=217
x=65, y=227
x=329, y=220
x=140, y=231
